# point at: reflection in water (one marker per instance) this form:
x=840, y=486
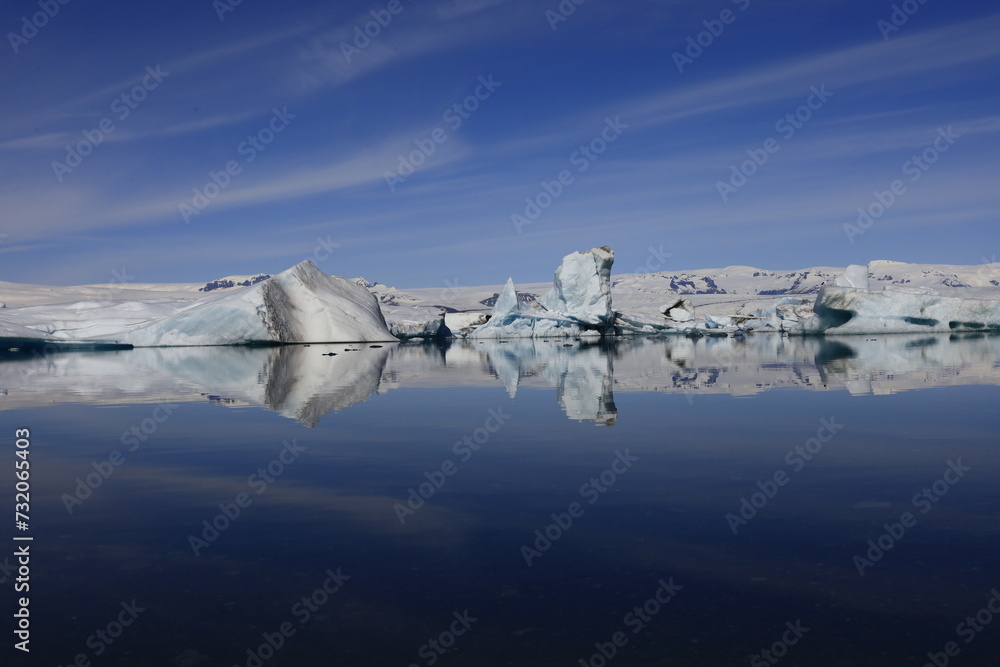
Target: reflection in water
x=665, y=518
x=581, y=374
x=304, y=382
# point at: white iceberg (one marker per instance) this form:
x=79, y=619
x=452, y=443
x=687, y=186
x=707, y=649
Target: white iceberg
x=850, y=306
x=581, y=289
x=782, y=314
x=852, y=310
x=300, y=305
x=579, y=302
x=855, y=275
x=462, y=324
x=679, y=310
x=719, y=322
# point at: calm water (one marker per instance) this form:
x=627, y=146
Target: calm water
x=643, y=450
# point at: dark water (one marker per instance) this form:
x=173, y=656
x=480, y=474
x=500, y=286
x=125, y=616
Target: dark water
x=673, y=434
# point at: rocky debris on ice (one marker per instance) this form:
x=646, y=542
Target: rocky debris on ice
x=233, y=281
x=579, y=302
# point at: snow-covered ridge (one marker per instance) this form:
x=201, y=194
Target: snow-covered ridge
x=748, y=280
x=233, y=281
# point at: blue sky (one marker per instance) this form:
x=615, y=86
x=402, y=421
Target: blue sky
x=309, y=118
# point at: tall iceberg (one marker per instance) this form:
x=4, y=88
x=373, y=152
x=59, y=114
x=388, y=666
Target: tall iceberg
x=579, y=302
x=581, y=289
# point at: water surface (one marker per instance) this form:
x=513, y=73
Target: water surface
x=648, y=446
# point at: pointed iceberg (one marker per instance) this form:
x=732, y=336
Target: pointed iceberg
x=300, y=305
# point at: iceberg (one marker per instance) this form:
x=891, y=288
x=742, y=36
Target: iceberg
x=680, y=310
x=579, y=302
x=719, y=322
x=855, y=275
x=462, y=324
x=299, y=305
x=407, y=322
x=581, y=289
x=850, y=307
x=852, y=310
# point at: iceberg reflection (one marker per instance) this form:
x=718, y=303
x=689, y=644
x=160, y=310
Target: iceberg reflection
x=307, y=382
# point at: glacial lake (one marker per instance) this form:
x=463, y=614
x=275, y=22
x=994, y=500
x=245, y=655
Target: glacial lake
x=647, y=502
